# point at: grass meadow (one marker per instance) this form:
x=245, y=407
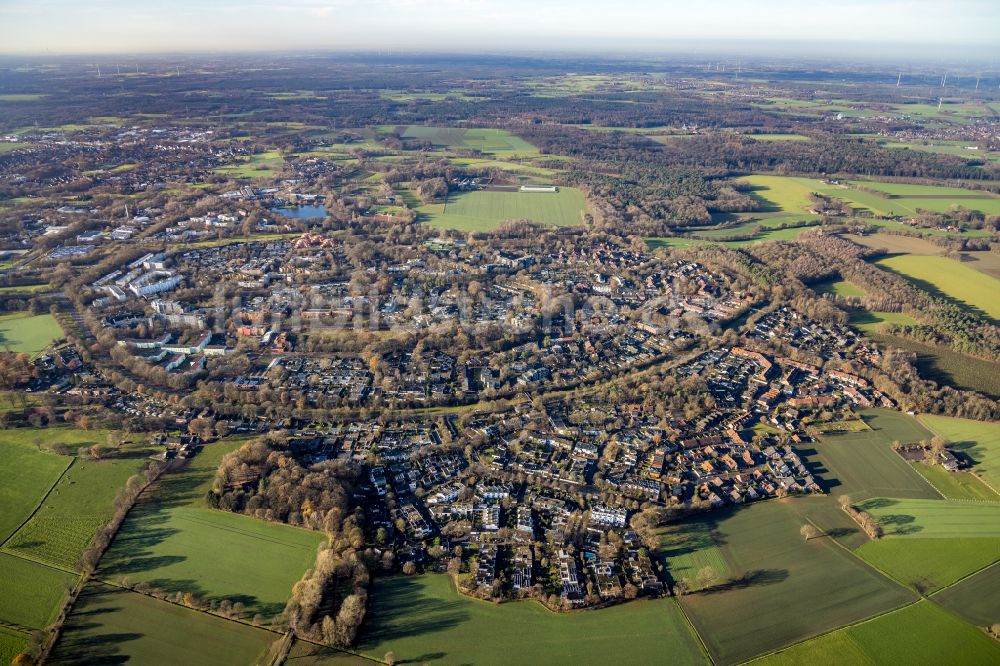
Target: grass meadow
x=30, y=593
x=113, y=626
x=935, y=519
x=930, y=564
x=489, y=141
x=921, y=633
x=863, y=464
x=21, y=493
x=174, y=541
x=979, y=441
x=485, y=210
x=423, y=619
x=977, y=598
x=942, y=276
x=786, y=589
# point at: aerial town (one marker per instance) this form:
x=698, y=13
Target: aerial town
x=388, y=359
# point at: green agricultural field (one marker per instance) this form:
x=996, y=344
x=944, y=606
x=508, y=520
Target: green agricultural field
x=921, y=633
x=960, y=485
x=977, y=598
x=906, y=199
x=950, y=278
x=930, y=564
x=30, y=593
x=778, y=137
x=484, y=210
x=12, y=643
x=863, y=464
x=22, y=332
x=946, y=366
x=77, y=507
x=173, y=541
x=786, y=589
x=489, y=141
x=21, y=493
x=687, y=549
x=935, y=519
x=114, y=626
x=267, y=164
x=978, y=440
x=784, y=194
x=425, y=620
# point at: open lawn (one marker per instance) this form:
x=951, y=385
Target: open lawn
x=950, y=278
x=869, y=321
x=938, y=519
x=173, y=541
x=930, y=564
x=795, y=588
x=30, y=593
x=977, y=598
x=78, y=505
x=863, y=464
x=979, y=441
x=22, y=332
x=114, y=626
x=423, y=619
x=922, y=633
x=484, y=210
x=37, y=472
x=489, y=141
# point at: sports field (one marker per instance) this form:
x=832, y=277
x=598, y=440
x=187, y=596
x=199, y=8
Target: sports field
x=977, y=598
x=23, y=332
x=114, y=626
x=938, y=519
x=423, y=619
x=490, y=141
x=484, y=210
x=173, y=541
x=787, y=589
x=978, y=440
x=944, y=276
x=921, y=633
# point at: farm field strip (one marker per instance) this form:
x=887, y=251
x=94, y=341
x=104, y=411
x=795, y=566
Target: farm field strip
x=932, y=563
x=424, y=618
x=943, y=519
x=797, y=589
x=920, y=633
x=976, y=598
x=978, y=440
x=944, y=276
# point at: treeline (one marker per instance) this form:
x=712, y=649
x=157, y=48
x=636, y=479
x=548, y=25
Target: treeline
x=264, y=480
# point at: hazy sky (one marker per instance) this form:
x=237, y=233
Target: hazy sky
x=89, y=26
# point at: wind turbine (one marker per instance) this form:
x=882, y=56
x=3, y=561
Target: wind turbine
x=119, y=68
x=898, y=79
x=98, y=70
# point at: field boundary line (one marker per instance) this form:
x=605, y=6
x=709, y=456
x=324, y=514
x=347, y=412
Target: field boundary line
x=40, y=502
x=865, y=562
x=694, y=629
x=832, y=631
x=33, y=560
x=965, y=577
